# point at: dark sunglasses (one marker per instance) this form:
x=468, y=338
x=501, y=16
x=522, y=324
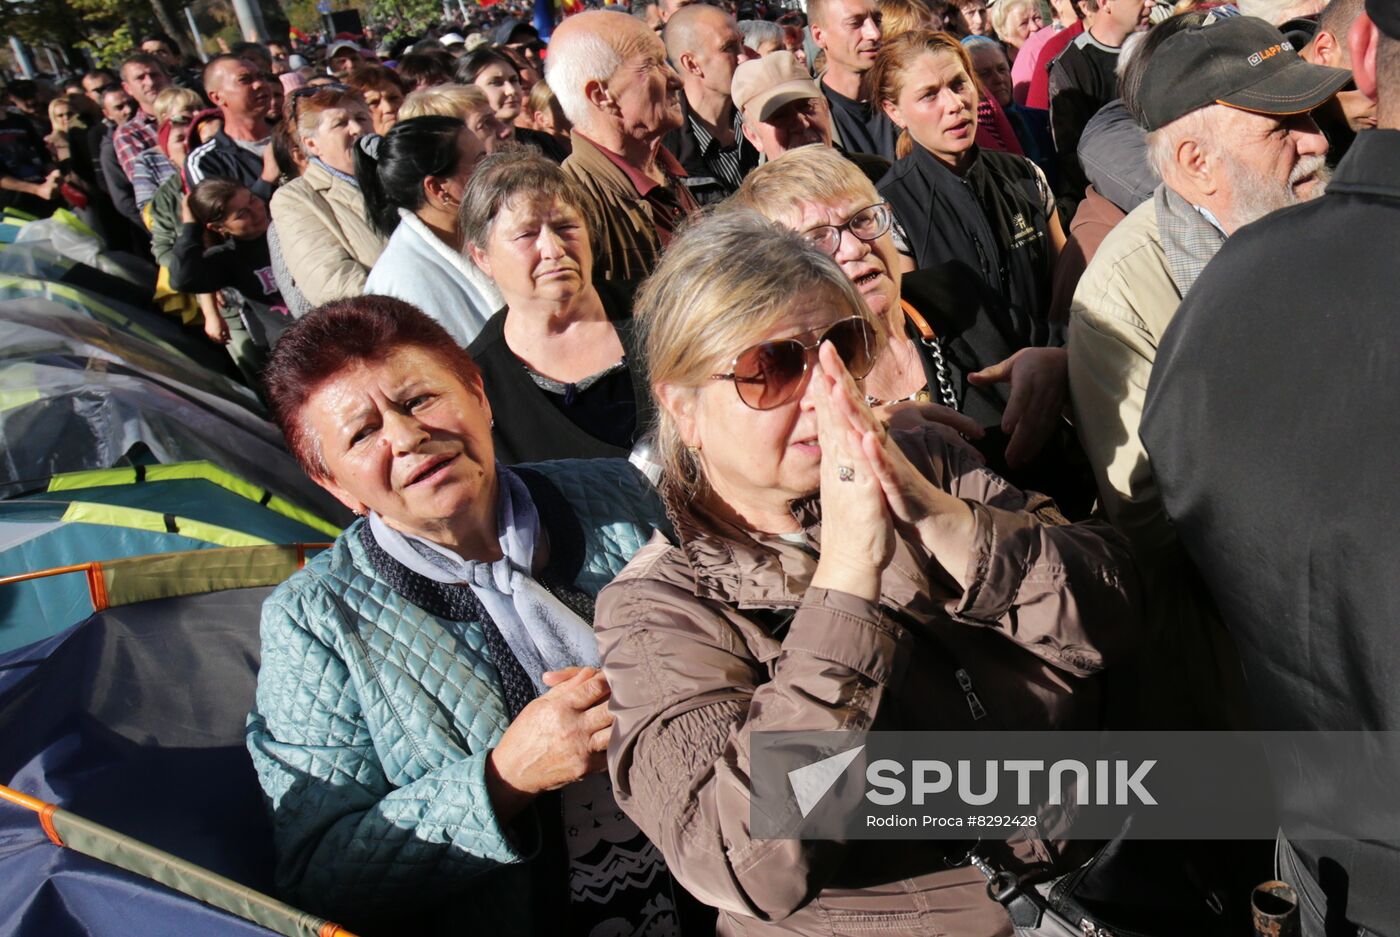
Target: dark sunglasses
x=773, y=373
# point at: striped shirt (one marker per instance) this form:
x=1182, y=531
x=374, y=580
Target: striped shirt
x=721, y=161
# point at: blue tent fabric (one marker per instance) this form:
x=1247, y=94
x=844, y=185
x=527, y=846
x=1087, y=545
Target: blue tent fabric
x=49, y=891
x=134, y=719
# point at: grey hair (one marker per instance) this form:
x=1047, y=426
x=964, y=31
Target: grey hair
x=757, y=32
x=574, y=60
x=1126, y=51
x=501, y=178
x=1198, y=125
x=726, y=281
x=1274, y=12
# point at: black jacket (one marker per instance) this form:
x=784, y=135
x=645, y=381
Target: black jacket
x=1271, y=421
x=705, y=186
x=992, y=218
x=222, y=158
x=529, y=427
x=1082, y=80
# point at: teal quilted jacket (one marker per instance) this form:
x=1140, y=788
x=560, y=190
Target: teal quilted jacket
x=374, y=718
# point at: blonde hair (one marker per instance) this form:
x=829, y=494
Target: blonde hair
x=902, y=16
x=807, y=174
x=1002, y=10
x=726, y=281
x=460, y=101
x=172, y=99
x=886, y=77
x=540, y=98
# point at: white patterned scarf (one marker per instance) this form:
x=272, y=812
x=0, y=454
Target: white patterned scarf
x=542, y=632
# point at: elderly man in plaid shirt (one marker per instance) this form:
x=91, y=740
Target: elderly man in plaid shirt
x=143, y=78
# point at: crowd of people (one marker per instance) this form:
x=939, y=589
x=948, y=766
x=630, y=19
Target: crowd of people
x=896, y=364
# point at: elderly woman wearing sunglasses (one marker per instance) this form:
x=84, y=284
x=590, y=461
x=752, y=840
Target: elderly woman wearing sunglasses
x=829, y=575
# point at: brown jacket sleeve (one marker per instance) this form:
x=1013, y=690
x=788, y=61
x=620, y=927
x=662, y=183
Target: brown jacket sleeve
x=1066, y=592
x=686, y=696
x=692, y=679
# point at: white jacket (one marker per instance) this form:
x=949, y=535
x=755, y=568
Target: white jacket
x=419, y=268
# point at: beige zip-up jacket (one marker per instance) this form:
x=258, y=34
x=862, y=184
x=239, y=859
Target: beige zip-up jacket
x=699, y=658
x=327, y=242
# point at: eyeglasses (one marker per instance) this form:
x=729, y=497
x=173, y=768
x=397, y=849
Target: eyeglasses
x=868, y=224
x=773, y=373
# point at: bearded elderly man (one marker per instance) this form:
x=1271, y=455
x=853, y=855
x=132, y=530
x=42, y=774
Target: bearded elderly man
x=782, y=109
x=1225, y=104
x=609, y=73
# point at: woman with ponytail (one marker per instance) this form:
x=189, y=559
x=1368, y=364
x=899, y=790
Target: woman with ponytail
x=955, y=200
x=412, y=179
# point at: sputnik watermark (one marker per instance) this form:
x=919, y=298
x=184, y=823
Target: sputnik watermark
x=1162, y=785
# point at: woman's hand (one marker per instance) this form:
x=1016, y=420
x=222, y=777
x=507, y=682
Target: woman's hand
x=942, y=523
x=1039, y=379
x=859, y=532
x=557, y=739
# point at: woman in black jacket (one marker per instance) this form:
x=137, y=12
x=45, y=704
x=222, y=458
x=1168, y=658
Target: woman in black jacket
x=560, y=362
x=954, y=200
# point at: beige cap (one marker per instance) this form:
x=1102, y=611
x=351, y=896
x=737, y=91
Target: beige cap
x=763, y=85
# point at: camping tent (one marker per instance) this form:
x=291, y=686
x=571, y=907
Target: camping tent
x=143, y=509
x=132, y=721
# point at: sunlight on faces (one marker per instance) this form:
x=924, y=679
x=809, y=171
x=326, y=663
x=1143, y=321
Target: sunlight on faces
x=502, y=86
x=246, y=217
x=404, y=437
x=143, y=82
x=239, y=88
x=849, y=33
x=993, y=71
x=721, y=49
x=1020, y=24
x=645, y=90
x=537, y=252
x=334, y=140
x=757, y=461
x=938, y=106
x=1271, y=162
x=872, y=266
x=383, y=104
x=493, y=133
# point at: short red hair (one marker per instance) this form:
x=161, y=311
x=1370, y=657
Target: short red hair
x=331, y=337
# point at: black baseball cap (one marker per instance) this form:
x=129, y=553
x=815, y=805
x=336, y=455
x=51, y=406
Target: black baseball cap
x=1386, y=15
x=1239, y=61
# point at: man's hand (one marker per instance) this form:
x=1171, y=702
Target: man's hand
x=1039, y=379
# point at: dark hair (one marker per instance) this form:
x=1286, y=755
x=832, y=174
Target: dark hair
x=163, y=39
x=368, y=77
x=1131, y=82
x=209, y=203
x=23, y=90
x=284, y=149
x=242, y=49
x=431, y=67
x=477, y=62
x=107, y=73
x=141, y=58
x=210, y=199
x=391, y=174
x=329, y=338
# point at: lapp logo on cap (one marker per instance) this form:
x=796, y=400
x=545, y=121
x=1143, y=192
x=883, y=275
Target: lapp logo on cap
x=1265, y=54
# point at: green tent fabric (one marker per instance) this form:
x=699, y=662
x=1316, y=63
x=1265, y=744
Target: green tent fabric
x=94, y=516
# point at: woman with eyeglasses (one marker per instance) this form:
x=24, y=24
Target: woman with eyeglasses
x=826, y=574
x=413, y=179
x=952, y=340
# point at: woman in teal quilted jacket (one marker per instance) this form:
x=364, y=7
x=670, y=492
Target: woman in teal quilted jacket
x=430, y=726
